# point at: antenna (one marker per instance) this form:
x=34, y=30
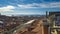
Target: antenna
x=46, y=14
x=0, y=13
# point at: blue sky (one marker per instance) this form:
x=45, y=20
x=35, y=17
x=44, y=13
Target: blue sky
x=17, y=7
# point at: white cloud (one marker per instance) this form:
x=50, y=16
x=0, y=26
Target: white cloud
x=55, y=4
x=7, y=8
x=41, y=5
x=26, y=6
x=21, y=13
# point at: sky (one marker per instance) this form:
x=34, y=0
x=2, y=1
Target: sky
x=28, y=7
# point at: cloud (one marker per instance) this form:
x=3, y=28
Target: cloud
x=41, y=5
x=29, y=5
x=55, y=4
x=25, y=6
x=7, y=8
x=24, y=13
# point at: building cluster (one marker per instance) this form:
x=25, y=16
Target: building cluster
x=45, y=24
x=9, y=22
